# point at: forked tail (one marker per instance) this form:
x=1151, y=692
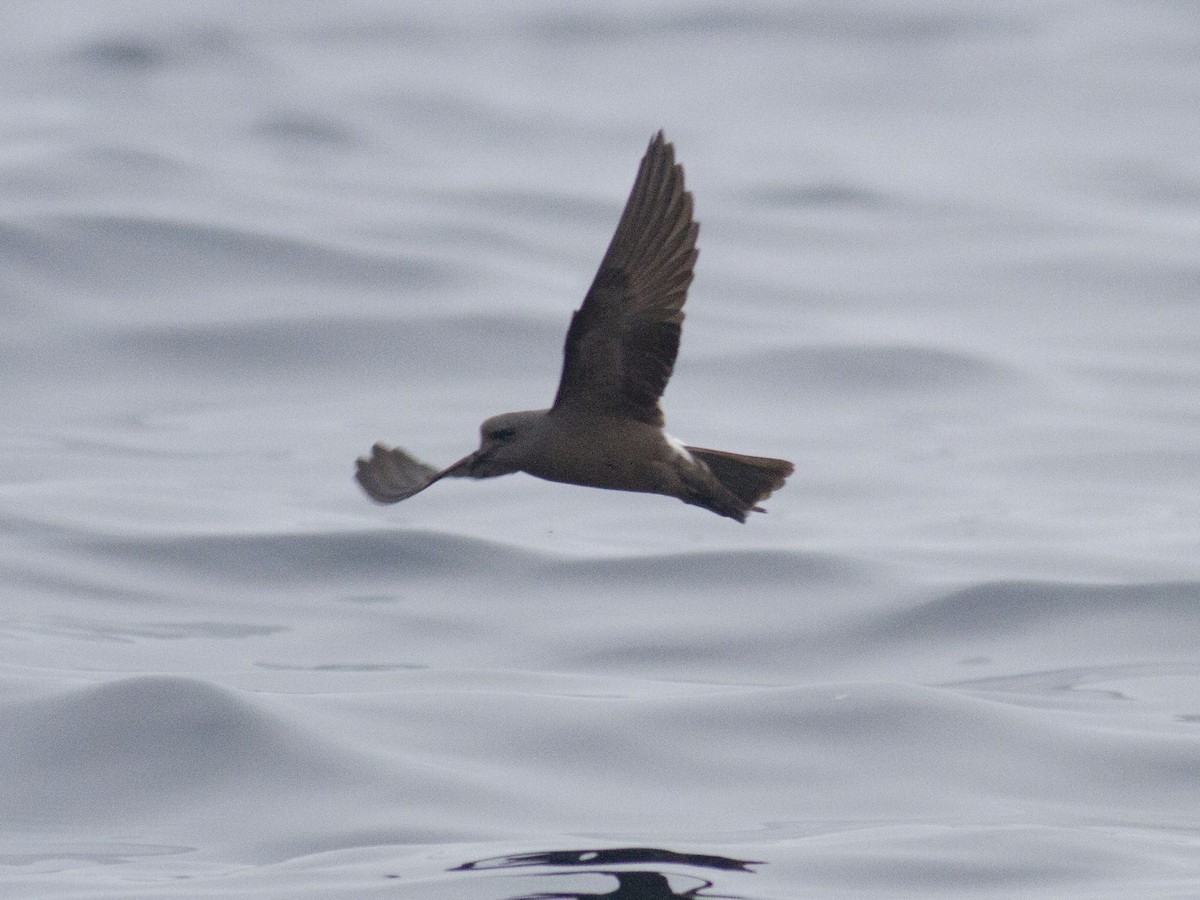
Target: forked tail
x=751, y=479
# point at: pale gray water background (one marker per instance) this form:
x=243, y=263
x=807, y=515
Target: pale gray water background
x=949, y=267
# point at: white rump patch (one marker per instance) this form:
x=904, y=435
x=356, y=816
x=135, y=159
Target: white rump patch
x=677, y=446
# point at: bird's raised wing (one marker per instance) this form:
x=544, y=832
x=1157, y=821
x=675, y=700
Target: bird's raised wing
x=622, y=342
x=392, y=475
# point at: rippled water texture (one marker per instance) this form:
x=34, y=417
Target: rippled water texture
x=949, y=267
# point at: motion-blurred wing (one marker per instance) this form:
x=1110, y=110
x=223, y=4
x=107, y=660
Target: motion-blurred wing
x=392, y=475
x=622, y=342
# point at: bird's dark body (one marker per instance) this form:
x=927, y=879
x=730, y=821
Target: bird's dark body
x=605, y=429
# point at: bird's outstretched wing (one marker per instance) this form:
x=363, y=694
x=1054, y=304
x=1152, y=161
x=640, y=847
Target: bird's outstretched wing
x=392, y=475
x=622, y=342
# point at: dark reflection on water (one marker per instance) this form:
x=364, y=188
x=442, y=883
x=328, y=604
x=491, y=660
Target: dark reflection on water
x=612, y=856
x=634, y=885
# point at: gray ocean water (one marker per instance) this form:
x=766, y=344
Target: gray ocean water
x=948, y=267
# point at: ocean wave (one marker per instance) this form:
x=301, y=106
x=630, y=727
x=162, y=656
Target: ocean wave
x=130, y=254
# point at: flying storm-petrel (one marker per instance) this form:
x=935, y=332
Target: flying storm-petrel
x=605, y=428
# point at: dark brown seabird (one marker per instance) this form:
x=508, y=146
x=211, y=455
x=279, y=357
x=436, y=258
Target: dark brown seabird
x=605, y=428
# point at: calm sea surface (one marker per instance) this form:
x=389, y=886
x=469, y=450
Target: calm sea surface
x=949, y=267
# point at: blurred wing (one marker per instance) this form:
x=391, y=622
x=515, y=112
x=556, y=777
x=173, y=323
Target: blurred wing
x=622, y=342
x=391, y=475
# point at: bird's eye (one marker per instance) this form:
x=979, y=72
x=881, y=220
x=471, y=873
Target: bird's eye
x=501, y=434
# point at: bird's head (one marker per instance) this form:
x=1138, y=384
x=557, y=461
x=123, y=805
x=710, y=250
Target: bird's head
x=505, y=443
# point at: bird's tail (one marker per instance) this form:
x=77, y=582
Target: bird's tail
x=751, y=479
